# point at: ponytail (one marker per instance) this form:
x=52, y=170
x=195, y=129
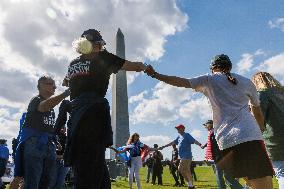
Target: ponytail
x=231, y=78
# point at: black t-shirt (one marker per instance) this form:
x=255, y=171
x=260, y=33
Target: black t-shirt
x=91, y=73
x=41, y=121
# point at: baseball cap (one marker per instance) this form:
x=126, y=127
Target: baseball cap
x=93, y=36
x=208, y=122
x=180, y=126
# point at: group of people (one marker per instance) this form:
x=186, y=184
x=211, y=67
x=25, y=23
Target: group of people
x=238, y=123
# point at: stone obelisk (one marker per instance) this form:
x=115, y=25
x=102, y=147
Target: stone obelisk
x=119, y=117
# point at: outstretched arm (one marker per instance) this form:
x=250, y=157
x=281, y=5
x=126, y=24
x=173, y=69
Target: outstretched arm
x=133, y=66
x=162, y=147
x=117, y=151
x=172, y=80
x=198, y=143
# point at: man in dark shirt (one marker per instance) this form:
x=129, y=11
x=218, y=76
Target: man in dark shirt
x=157, y=167
x=90, y=131
x=38, y=136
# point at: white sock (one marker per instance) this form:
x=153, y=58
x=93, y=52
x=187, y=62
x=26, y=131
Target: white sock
x=189, y=184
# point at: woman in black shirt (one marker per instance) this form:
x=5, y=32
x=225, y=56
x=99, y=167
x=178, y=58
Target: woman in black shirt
x=88, y=78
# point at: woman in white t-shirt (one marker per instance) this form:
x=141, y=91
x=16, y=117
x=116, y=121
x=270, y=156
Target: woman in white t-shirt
x=237, y=131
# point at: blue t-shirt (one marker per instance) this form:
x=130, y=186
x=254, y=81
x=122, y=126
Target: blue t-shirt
x=4, y=151
x=136, y=150
x=184, y=143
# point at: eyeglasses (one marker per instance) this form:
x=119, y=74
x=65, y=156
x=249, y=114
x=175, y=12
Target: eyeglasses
x=49, y=83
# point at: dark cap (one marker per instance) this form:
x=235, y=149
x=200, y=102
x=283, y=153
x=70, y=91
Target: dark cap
x=221, y=61
x=3, y=141
x=180, y=126
x=208, y=122
x=155, y=145
x=94, y=36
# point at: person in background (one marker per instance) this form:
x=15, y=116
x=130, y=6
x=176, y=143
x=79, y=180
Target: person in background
x=272, y=105
x=4, y=156
x=60, y=130
x=184, y=142
x=18, y=180
x=38, y=138
x=61, y=170
x=214, y=154
x=149, y=163
x=174, y=167
x=157, y=167
x=237, y=130
x=134, y=147
x=14, y=148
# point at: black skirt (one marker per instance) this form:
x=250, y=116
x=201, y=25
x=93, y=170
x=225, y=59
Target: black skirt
x=248, y=159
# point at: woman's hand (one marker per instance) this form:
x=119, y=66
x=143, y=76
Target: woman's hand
x=150, y=71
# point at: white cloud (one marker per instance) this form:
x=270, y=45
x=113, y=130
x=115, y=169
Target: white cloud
x=196, y=109
x=274, y=65
x=162, y=106
x=246, y=63
x=138, y=97
x=277, y=23
x=196, y=133
x=156, y=139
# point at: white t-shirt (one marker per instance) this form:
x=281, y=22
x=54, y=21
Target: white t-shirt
x=233, y=122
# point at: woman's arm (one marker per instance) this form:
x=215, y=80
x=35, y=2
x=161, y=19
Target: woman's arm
x=172, y=80
x=257, y=113
x=118, y=151
x=133, y=66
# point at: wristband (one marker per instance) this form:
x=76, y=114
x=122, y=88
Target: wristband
x=66, y=93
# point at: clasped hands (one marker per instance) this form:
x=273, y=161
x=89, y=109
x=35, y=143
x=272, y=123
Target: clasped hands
x=150, y=70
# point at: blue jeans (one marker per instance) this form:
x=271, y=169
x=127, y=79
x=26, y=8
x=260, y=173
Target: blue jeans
x=61, y=172
x=278, y=167
x=3, y=163
x=39, y=164
x=230, y=181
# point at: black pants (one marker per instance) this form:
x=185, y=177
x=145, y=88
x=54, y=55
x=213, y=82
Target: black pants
x=177, y=176
x=157, y=172
x=90, y=170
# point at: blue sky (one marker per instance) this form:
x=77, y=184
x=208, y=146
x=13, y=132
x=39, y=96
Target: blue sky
x=178, y=37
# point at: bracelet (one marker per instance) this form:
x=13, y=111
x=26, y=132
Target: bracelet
x=66, y=93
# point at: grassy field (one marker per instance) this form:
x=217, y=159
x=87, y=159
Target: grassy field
x=205, y=180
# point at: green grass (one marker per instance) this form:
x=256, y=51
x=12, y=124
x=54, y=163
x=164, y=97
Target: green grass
x=205, y=180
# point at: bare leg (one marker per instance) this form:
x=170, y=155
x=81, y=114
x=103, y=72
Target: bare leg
x=261, y=183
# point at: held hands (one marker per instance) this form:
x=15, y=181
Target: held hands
x=161, y=148
x=112, y=148
x=150, y=71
